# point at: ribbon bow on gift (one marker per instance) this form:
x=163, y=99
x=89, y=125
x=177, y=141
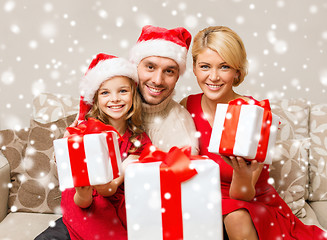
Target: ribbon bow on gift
x=177, y=160
x=92, y=125
x=240, y=101
x=174, y=169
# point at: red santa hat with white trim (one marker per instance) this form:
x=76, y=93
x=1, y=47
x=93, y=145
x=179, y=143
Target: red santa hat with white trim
x=156, y=41
x=102, y=68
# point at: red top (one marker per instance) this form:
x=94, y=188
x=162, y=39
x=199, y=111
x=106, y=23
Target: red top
x=271, y=216
x=106, y=217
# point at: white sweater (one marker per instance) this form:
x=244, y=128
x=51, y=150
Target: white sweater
x=169, y=124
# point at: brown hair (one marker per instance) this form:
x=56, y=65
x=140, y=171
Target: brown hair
x=133, y=118
x=227, y=44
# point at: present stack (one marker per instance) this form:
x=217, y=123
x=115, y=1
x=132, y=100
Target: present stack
x=246, y=129
x=171, y=197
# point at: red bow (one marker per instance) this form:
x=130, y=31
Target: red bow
x=176, y=160
x=92, y=125
x=240, y=101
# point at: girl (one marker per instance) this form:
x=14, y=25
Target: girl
x=252, y=209
x=108, y=94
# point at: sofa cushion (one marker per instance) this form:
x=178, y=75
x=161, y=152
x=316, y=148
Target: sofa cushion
x=311, y=217
x=294, y=118
x=25, y=225
x=319, y=208
x=35, y=175
x=318, y=153
x=48, y=107
x=13, y=144
x=289, y=172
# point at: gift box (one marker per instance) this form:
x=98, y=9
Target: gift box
x=246, y=129
x=164, y=202
x=86, y=159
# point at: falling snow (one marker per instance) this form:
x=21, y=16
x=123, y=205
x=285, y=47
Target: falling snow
x=51, y=52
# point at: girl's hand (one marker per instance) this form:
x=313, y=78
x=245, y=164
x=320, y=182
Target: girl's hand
x=74, y=124
x=83, y=196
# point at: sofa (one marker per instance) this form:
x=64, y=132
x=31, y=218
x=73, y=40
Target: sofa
x=30, y=196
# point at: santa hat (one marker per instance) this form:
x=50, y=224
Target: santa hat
x=156, y=41
x=102, y=67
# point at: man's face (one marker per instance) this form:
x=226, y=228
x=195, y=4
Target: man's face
x=157, y=78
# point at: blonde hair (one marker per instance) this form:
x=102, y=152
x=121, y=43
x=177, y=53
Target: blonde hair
x=227, y=44
x=133, y=118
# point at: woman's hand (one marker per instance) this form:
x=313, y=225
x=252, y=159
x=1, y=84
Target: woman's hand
x=242, y=167
x=245, y=177
x=83, y=196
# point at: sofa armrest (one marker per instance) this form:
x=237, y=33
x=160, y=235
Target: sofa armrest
x=4, y=190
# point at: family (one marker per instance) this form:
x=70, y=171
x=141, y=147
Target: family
x=136, y=98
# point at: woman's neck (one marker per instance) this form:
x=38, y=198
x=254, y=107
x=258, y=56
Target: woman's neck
x=209, y=105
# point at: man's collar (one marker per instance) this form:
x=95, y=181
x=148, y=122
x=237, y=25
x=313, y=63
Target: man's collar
x=147, y=108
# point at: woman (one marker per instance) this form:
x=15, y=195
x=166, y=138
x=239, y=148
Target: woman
x=252, y=209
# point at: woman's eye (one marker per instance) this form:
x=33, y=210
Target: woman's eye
x=225, y=67
x=204, y=66
x=104, y=93
x=123, y=91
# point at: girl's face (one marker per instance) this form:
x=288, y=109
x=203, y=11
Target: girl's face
x=115, y=97
x=215, y=77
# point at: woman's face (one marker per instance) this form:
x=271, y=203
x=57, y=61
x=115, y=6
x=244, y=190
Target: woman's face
x=215, y=77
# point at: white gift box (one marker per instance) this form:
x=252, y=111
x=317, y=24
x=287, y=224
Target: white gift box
x=248, y=133
x=200, y=202
x=86, y=160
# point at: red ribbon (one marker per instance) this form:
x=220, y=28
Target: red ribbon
x=230, y=127
x=77, y=151
x=174, y=169
x=92, y=125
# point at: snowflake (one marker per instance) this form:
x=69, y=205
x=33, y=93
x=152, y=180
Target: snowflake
x=15, y=29
x=13, y=209
x=9, y=6
x=52, y=223
x=8, y=77
x=191, y=21
x=48, y=30
x=323, y=77
x=103, y=13
x=119, y=21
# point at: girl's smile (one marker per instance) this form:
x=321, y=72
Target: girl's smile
x=115, y=99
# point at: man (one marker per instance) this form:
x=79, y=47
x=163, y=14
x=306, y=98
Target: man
x=160, y=55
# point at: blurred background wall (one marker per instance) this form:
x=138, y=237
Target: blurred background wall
x=46, y=45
